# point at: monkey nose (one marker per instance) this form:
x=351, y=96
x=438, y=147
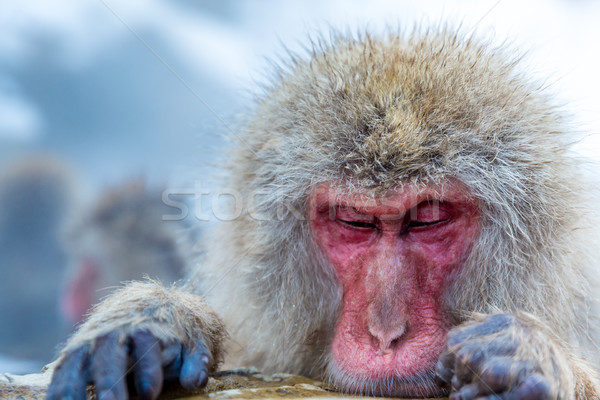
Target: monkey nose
x=387, y=338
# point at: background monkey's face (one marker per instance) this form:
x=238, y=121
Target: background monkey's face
x=394, y=256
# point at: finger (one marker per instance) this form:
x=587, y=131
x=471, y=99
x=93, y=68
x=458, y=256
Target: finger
x=491, y=325
x=147, y=367
x=171, y=357
x=467, y=392
x=109, y=367
x=170, y=352
x=71, y=376
x=468, y=360
x=472, y=356
x=534, y=387
x=501, y=374
x=194, y=372
x=456, y=383
x=444, y=369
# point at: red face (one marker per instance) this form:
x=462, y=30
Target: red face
x=393, y=257
x=81, y=291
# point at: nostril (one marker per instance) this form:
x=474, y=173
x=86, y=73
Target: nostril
x=394, y=342
x=386, y=339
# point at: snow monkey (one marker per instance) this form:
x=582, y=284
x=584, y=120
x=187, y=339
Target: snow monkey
x=414, y=226
x=122, y=236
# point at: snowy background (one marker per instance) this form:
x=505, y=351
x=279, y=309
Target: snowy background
x=120, y=89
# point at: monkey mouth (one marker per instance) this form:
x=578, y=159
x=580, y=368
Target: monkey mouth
x=424, y=385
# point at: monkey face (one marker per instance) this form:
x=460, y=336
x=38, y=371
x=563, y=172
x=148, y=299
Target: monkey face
x=393, y=257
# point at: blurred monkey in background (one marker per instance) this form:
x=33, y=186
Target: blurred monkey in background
x=121, y=237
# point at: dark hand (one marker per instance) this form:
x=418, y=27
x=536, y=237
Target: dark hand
x=109, y=360
x=497, y=358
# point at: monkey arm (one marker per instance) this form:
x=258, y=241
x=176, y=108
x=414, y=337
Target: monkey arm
x=153, y=332
x=517, y=357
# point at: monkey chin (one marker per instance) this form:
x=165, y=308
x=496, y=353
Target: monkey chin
x=423, y=385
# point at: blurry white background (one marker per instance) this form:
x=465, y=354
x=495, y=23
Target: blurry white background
x=148, y=88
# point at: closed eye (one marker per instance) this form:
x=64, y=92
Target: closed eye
x=428, y=214
x=418, y=224
x=352, y=218
x=358, y=224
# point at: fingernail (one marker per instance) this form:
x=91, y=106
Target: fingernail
x=145, y=390
x=202, y=379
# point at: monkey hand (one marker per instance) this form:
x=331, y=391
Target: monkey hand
x=503, y=356
x=142, y=334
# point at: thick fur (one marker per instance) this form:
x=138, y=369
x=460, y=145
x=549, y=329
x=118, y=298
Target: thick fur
x=380, y=113
x=168, y=314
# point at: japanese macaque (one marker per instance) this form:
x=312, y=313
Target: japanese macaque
x=123, y=237
x=413, y=226
x=36, y=194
